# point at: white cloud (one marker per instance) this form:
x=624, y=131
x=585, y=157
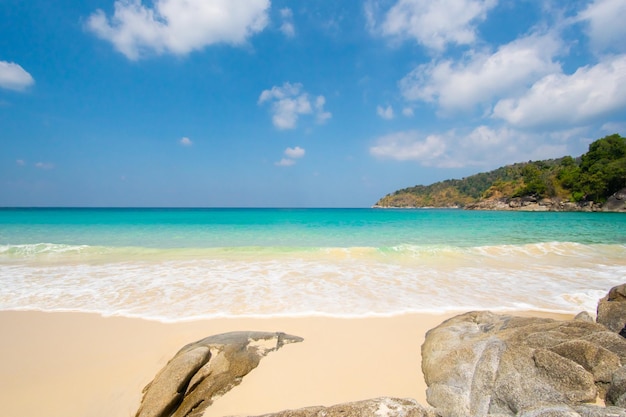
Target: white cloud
x=385, y=112
x=287, y=27
x=185, y=141
x=44, y=165
x=483, y=76
x=291, y=155
x=434, y=23
x=295, y=153
x=289, y=101
x=558, y=99
x=483, y=146
x=178, y=26
x=321, y=115
x=20, y=162
x=370, y=9
x=14, y=77
x=409, y=146
x=407, y=112
x=606, y=24
x=285, y=162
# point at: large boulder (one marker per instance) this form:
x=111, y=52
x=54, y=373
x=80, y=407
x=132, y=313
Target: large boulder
x=378, y=407
x=480, y=363
x=616, y=202
x=206, y=369
x=612, y=309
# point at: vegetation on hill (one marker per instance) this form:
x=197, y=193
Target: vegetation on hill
x=594, y=176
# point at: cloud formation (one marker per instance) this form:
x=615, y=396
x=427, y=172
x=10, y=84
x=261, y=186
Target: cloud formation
x=44, y=165
x=532, y=103
x=321, y=116
x=482, y=146
x=178, y=26
x=289, y=102
x=435, y=24
x=295, y=153
x=385, y=112
x=185, y=141
x=561, y=99
x=481, y=76
x=291, y=155
x=14, y=77
x=285, y=162
x=409, y=146
x=287, y=26
x=606, y=27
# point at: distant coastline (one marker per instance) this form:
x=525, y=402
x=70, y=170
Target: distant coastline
x=593, y=182
x=616, y=203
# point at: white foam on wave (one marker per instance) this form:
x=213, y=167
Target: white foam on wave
x=39, y=249
x=180, y=285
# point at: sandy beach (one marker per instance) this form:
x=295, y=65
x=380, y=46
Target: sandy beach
x=75, y=364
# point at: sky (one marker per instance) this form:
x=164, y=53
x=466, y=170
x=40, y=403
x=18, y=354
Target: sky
x=307, y=103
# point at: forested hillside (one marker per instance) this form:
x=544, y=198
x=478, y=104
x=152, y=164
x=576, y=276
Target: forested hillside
x=592, y=177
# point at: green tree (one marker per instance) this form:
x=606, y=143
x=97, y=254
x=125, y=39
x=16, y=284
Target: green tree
x=603, y=168
x=534, y=181
x=594, y=176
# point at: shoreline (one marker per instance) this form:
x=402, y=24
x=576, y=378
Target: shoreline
x=81, y=364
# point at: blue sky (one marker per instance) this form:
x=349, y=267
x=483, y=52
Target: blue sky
x=309, y=103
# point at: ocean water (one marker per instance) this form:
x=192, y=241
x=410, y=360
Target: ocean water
x=182, y=264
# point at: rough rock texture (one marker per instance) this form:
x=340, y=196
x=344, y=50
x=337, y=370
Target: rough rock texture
x=480, y=363
x=617, y=202
x=612, y=309
x=617, y=391
x=206, y=369
x=378, y=407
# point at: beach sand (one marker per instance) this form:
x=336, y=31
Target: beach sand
x=85, y=365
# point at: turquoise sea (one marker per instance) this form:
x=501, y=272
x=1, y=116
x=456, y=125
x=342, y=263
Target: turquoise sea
x=181, y=264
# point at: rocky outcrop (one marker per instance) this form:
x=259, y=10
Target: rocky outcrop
x=481, y=363
x=475, y=364
x=379, y=407
x=612, y=309
x=617, y=202
x=204, y=370
x=530, y=203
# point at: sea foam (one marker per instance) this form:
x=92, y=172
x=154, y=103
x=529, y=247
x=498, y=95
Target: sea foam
x=182, y=284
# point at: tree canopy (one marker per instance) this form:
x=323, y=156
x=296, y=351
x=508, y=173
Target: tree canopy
x=594, y=176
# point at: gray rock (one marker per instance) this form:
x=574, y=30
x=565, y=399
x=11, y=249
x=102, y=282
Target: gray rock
x=378, y=407
x=610, y=341
x=480, y=363
x=616, y=394
x=206, y=369
x=590, y=410
x=600, y=362
x=550, y=411
x=616, y=202
x=585, y=316
x=586, y=410
x=612, y=309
